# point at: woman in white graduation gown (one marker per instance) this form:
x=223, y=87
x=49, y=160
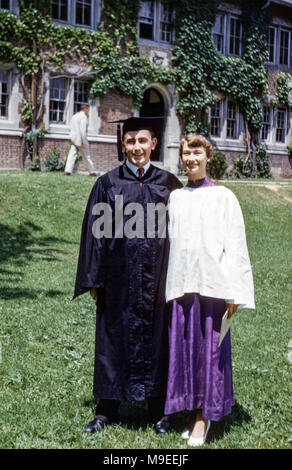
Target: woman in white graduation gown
x=209, y=272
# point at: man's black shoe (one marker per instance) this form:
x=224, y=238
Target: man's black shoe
x=97, y=424
x=162, y=426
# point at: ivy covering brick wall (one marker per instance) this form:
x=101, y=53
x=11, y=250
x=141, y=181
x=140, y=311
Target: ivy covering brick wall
x=37, y=45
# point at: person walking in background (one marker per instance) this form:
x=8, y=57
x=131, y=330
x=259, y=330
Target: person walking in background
x=78, y=137
x=209, y=272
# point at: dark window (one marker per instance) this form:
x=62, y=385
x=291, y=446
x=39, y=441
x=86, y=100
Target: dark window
x=60, y=9
x=235, y=37
x=218, y=33
x=266, y=122
x=271, y=44
x=216, y=119
x=80, y=94
x=166, y=16
x=83, y=12
x=231, y=120
x=4, y=93
x=281, y=128
x=5, y=4
x=284, y=47
x=57, y=99
x=146, y=20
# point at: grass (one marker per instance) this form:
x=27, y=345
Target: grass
x=47, y=340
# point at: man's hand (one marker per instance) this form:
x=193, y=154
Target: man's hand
x=231, y=309
x=84, y=144
x=93, y=293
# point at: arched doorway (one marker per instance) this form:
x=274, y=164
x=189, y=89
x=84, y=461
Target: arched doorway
x=153, y=105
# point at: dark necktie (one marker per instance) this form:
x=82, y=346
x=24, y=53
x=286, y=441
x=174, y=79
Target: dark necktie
x=141, y=173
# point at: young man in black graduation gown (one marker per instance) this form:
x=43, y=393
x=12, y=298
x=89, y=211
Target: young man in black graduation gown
x=126, y=275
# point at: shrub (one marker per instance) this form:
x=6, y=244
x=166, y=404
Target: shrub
x=263, y=162
x=217, y=165
x=246, y=171
x=35, y=165
x=289, y=149
x=52, y=161
x=241, y=171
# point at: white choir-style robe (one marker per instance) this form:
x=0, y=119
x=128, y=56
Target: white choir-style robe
x=208, y=250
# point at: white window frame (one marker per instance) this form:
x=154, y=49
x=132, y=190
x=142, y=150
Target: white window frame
x=236, y=120
x=7, y=94
x=285, y=30
x=77, y=103
x=53, y=99
x=277, y=46
x=268, y=139
x=10, y=125
x=285, y=128
x=273, y=61
x=222, y=139
x=223, y=34
x=220, y=104
x=71, y=20
x=91, y=13
x=227, y=17
x=157, y=12
x=62, y=130
x=171, y=41
x=271, y=142
x=233, y=17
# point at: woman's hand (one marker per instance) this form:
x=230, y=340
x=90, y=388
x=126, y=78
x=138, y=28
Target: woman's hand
x=93, y=293
x=231, y=309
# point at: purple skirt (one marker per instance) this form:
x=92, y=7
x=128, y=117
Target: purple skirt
x=200, y=373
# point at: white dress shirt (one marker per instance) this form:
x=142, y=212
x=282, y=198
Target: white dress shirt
x=208, y=251
x=135, y=169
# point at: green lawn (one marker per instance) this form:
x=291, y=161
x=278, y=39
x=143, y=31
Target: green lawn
x=47, y=340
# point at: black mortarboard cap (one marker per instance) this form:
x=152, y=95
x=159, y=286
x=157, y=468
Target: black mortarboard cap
x=135, y=124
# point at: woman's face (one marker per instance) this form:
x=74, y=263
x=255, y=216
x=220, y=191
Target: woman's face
x=194, y=161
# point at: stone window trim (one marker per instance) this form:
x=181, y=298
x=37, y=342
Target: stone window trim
x=81, y=5
x=160, y=22
x=227, y=34
x=11, y=122
x=266, y=130
x=280, y=57
x=280, y=124
x=227, y=115
x=73, y=99
x=5, y=93
x=219, y=32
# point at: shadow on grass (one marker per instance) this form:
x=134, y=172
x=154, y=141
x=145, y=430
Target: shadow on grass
x=134, y=416
x=237, y=417
x=20, y=245
x=14, y=293
x=131, y=415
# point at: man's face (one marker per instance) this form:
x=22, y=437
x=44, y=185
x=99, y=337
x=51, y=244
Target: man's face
x=86, y=111
x=194, y=161
x=138, y=146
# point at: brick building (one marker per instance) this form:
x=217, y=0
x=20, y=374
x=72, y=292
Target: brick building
x=156, y=37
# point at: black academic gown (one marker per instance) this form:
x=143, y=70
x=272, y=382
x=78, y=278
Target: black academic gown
x=131, y=349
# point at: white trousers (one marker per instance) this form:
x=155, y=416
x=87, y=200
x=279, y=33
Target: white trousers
x=84, y=151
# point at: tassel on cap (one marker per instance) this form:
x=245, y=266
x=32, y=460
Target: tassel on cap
x=119, y=143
